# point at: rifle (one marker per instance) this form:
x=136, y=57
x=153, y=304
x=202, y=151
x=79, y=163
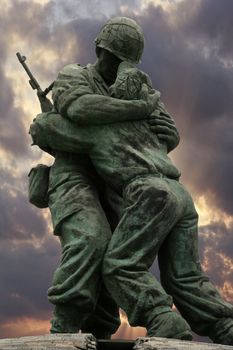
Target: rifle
x=45, y=103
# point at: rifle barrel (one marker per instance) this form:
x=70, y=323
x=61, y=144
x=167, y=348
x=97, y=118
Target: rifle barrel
x=22, y=60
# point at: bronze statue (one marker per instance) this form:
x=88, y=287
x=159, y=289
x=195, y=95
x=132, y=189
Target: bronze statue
x=110, y=134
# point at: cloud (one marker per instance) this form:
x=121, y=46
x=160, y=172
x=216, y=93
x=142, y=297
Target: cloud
x=28, y=252
x=25, y=326
x=216, y=253
x=214, y=27
x=18, y=219
x=10, y=119
x=197, y=87
x=26, y=279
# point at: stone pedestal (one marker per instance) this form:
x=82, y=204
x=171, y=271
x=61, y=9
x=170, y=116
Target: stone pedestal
x=88, y=342
x=50, y=342
x=173, y=344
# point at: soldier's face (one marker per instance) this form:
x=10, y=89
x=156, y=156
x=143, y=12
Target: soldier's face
x=108, y=65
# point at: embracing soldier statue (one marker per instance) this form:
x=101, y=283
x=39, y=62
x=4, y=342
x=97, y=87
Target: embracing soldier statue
x=116, y=202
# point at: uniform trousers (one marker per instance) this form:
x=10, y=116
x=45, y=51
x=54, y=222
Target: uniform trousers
x=159, y=219
x=78, y=293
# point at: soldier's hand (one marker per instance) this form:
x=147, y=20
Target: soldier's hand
x=164, y=126
x=37, y=132
x=150, y=99
x=45, y=103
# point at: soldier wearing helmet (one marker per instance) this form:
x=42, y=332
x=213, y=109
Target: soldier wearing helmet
x=75, y=193
x=157, y=209
x=81, y=300
x=82, y=95
x=120, y=39
x=123, y=38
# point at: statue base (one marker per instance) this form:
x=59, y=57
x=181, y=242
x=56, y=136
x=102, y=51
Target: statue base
x=88, y=342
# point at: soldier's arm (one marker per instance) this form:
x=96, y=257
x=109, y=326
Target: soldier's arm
x=52, y=131
x=164, y=126
x=97, y=109
x=74, y=99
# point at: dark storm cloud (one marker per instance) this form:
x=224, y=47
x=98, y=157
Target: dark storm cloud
x=28, y=254
x=92, y=9
x=214, y=24
x=18, y=219
x=197, y=87
x=27, y=273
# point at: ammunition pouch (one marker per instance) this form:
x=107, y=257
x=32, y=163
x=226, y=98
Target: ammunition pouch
x=38, y=185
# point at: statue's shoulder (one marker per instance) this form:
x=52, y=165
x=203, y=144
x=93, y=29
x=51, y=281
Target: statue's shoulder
x=72, y=70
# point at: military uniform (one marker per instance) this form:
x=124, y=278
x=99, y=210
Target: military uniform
x=80, y=222
x=158, y=218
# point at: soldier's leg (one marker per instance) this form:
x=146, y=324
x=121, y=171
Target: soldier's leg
x=76, y=283
x=150, y=212
x=105, y=319
x=194, y=295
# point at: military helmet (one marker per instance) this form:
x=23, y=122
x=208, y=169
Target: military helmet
x=123, y=37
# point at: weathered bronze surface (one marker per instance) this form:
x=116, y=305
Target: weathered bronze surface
x=117, y=203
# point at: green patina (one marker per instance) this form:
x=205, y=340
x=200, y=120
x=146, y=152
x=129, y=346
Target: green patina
x=117, y=203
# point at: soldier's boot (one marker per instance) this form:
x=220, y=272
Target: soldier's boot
x=169, y=325
x=65, y=320
x=222, y=332
x=62, y=326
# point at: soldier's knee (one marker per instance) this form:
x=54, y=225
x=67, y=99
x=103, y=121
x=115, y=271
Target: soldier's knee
x=110, y=268
x=157, y=199
x=84, y=248
x=107, y=268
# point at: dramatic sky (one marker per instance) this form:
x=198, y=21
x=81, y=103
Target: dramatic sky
x=188, y=55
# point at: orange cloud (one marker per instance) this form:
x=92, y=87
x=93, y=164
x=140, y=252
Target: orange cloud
x=209, y=213
x=25, y=327
x=227, y=291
